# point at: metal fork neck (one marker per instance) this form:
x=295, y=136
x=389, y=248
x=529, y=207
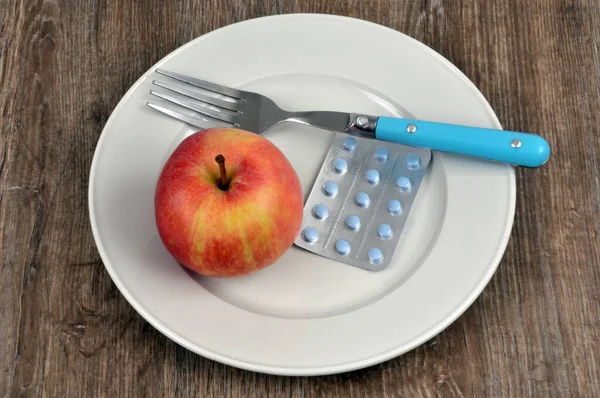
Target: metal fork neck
x=353, y=123
x=362, y=125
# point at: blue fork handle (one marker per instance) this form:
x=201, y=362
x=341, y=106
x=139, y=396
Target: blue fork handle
x=520, y=149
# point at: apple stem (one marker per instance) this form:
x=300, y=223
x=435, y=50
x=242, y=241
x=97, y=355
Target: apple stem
x=220, y=159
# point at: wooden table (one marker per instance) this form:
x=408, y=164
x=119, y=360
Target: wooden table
x=65, y=329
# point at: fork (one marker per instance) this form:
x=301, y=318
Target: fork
x=221, y=106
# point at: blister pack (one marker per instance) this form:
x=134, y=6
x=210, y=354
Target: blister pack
x=360, y=201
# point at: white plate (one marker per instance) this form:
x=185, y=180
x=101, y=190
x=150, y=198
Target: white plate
x=306, y=315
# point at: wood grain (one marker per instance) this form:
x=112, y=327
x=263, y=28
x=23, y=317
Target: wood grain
x=66, y=331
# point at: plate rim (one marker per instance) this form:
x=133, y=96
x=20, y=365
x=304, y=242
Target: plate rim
x=441, y=325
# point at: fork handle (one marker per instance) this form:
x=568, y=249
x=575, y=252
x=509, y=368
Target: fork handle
x=516, y=148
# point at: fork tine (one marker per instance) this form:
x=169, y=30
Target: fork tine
x=204, y=111
x=216, y=88
x=197, y=122
x=232, y=106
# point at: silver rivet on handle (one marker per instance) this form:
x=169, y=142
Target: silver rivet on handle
x=362, y=121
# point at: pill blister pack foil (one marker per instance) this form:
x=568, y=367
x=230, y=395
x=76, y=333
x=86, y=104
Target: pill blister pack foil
x=360, y=201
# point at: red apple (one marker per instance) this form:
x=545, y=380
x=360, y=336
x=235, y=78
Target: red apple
x=231, y=223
